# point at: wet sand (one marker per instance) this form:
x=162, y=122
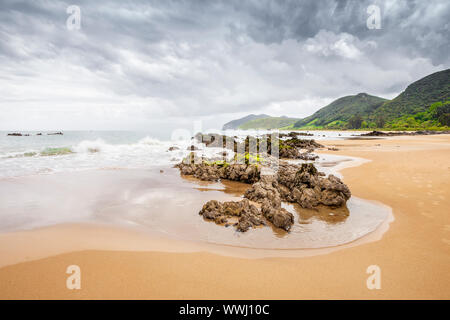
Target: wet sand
x=409, y=174
x=162, y=203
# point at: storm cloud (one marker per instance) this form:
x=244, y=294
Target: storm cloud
x=144, y=64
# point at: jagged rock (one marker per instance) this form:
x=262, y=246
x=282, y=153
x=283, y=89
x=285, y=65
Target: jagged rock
x=192, y=148
x=287, y=149
x=303, y=143
x=306, y=186
x=280, y=217
x=294, y=134
x=265, y=189
x=289, y=153
x=308, y=157
x=249, y=215
x=302, y=184
x=248, y=173
x=173, y=148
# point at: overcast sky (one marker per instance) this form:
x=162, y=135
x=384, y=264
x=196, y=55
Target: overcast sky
x=164, y=64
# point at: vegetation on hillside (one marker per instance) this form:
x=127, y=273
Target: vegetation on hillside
x=417, y=97
x=337, y=114
x=437, y=116
x=268, y=123
x=234, y=124
x=423, y=105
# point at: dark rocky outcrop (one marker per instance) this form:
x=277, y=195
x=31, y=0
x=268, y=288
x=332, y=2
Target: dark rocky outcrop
x=266, y=192
x=294, y=153
x=173, y=148
x=265, y=189
x=300, y=184
x=280, y=217
x=247, y=215
x=294, y=134
x=401, y=133
x=248, y=173
x=306, y=186
x=192, y=148
x=287, y=149
x=309, y=144
x=308, y=156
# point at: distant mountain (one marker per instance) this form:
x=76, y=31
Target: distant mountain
x=268, y=123
x=418, y=96
x=234, y=124
x=425, y=104
x=410, y=109
x=341, y=110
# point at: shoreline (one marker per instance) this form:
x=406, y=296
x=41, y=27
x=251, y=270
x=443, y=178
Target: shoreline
x=132, y=234
x=280, y=289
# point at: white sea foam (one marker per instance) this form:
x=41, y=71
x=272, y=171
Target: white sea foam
x=93, y=150
x=90, y=154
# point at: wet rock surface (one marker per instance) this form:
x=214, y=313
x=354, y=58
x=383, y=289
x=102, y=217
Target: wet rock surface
x=287, y=148
x=401, y=133
x=294, y=134
x=301, y=184
x=247, y=215
x=280, y=217
x=192, y=148
x=247, y=173
x=304, y=185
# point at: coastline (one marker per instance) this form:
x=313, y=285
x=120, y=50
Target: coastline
x=337, y=274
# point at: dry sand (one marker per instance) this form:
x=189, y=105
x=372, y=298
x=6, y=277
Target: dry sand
x=410, y=174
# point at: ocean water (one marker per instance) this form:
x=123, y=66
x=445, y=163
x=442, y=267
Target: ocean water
x=143, y=196
x=83, y=150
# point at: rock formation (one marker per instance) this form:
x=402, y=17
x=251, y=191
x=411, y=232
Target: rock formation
x=247, y=215
x=248, y=173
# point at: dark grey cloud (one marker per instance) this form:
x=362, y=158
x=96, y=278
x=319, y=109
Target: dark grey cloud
x=180, y=60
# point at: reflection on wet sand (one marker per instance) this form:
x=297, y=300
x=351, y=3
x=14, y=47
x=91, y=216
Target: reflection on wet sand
x=313, y=228
x=323, y=213
x=164, y=203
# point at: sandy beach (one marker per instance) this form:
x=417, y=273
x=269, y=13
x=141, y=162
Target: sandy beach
x=410, y=174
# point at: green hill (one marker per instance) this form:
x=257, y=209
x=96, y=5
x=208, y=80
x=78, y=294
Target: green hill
x=409, y=110
x=234, y=124
x=268, y=123
x=339, y=112
x=425, y=104
x=418, y=96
